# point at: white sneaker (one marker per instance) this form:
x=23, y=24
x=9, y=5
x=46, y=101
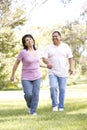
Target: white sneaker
x=55, y=108
x=34, y=114
x=61, y=109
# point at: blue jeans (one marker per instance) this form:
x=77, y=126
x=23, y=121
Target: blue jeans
x=31, y=93
x=57, y=90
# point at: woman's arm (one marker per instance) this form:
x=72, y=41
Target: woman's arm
x=14, y=69
x=42, y=63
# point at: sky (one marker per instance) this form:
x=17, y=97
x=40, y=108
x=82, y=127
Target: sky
x=54, y=12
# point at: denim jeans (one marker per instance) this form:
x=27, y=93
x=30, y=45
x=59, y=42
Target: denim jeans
x=31, y=93
x=57, y=90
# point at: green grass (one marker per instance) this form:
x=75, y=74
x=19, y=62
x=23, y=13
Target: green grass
x=76, y=80
x=14, y=116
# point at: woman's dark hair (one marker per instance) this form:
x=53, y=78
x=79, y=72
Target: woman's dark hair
x=57, y=33
x=23, y=41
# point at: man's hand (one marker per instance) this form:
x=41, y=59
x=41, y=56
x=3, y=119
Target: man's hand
x=12, y=78
x=70, y=71
x=49, y=66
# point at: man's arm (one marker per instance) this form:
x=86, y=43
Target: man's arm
x=49, y=66
x=70, y=65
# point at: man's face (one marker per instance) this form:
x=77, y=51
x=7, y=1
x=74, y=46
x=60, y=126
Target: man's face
x=56, y=38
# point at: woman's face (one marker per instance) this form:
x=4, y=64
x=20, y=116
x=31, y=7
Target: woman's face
x=29, y=42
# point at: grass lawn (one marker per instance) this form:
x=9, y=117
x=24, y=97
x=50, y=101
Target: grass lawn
x=14, y=116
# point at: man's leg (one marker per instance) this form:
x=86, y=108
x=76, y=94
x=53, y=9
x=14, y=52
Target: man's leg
x=54, y=90
x=62, y=86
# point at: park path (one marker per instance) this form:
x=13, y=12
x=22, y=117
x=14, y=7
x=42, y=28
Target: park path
x=44, y=94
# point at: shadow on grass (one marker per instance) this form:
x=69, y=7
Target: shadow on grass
x=12, y=112
x=45, y=113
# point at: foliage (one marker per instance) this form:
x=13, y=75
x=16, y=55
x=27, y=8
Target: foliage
x=8, y=21
x=75, y=35
x=83, y=15
x=65, y=2
x=12, y=17
x=8, y=42
x=2, y=76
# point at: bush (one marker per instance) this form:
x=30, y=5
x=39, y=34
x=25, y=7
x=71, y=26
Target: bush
x=7, y=85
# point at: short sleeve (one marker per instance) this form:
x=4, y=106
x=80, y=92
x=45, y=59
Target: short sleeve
x=69, y=54
x=45, y=53
x=20, y=56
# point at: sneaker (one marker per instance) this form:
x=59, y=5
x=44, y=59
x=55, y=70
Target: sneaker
x=55, y=108
x=61, y=109
x=34, y=114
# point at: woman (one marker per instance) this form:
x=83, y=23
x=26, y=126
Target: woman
x=31, y=76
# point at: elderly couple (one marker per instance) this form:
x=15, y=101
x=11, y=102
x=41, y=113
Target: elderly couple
x=55, y=57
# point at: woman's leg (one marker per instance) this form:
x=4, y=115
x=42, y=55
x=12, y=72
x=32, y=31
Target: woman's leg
x=35, y=95
x=27, y=87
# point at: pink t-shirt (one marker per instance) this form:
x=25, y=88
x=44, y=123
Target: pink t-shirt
x=31, y=67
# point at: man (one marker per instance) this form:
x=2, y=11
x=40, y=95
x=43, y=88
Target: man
x=55, y=56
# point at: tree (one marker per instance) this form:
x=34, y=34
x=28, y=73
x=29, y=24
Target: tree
x=75, y=35
x=83, y=15
x=8, y=22
x=11, y=17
